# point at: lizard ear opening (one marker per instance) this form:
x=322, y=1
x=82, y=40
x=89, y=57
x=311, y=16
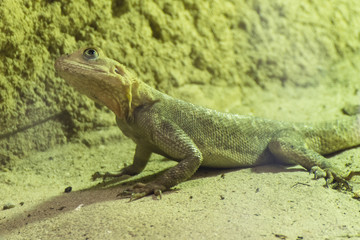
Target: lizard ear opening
x=119, y=70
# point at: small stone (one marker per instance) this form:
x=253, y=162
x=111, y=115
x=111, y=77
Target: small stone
x=68, y=189
x=8, y=206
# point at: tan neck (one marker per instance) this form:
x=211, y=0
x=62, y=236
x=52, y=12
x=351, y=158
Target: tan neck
x=130, y=97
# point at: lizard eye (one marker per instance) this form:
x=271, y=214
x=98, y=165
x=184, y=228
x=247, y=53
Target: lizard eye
x=90, y=54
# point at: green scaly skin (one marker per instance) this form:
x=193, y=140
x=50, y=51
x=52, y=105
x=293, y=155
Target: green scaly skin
x=196, y=136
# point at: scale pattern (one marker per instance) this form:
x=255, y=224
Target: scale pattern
x=196, y=136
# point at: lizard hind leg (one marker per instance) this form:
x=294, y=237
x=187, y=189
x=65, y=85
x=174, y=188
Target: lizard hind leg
x=289, y=147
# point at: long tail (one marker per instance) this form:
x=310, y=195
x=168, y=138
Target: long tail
x=332, y=136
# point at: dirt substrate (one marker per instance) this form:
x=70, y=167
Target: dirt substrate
x=284, y=60
x=267, y=202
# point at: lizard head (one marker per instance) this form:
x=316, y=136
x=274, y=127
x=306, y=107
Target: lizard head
x=102, y=79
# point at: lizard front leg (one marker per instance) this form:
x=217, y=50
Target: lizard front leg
x=175, y=143
x=141, y=158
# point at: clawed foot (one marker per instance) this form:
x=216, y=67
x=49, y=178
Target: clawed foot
x=140, y=190
x=331, y=177
x=105, y=175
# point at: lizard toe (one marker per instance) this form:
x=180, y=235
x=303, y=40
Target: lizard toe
x=333, y=179
x=140, y=190
x=96, y=175
x=318, y=172
x=104, y=175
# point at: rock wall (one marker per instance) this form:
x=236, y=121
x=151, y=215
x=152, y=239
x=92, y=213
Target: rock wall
x=246, y=43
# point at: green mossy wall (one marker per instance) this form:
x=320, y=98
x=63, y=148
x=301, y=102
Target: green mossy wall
x=169, y=44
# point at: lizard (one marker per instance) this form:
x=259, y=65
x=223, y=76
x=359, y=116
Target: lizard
x=196, y=136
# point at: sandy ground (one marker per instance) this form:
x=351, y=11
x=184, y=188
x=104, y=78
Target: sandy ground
x=266, y=202
x=243, y=43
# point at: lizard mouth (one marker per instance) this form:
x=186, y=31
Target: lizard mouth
x=64, y=65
